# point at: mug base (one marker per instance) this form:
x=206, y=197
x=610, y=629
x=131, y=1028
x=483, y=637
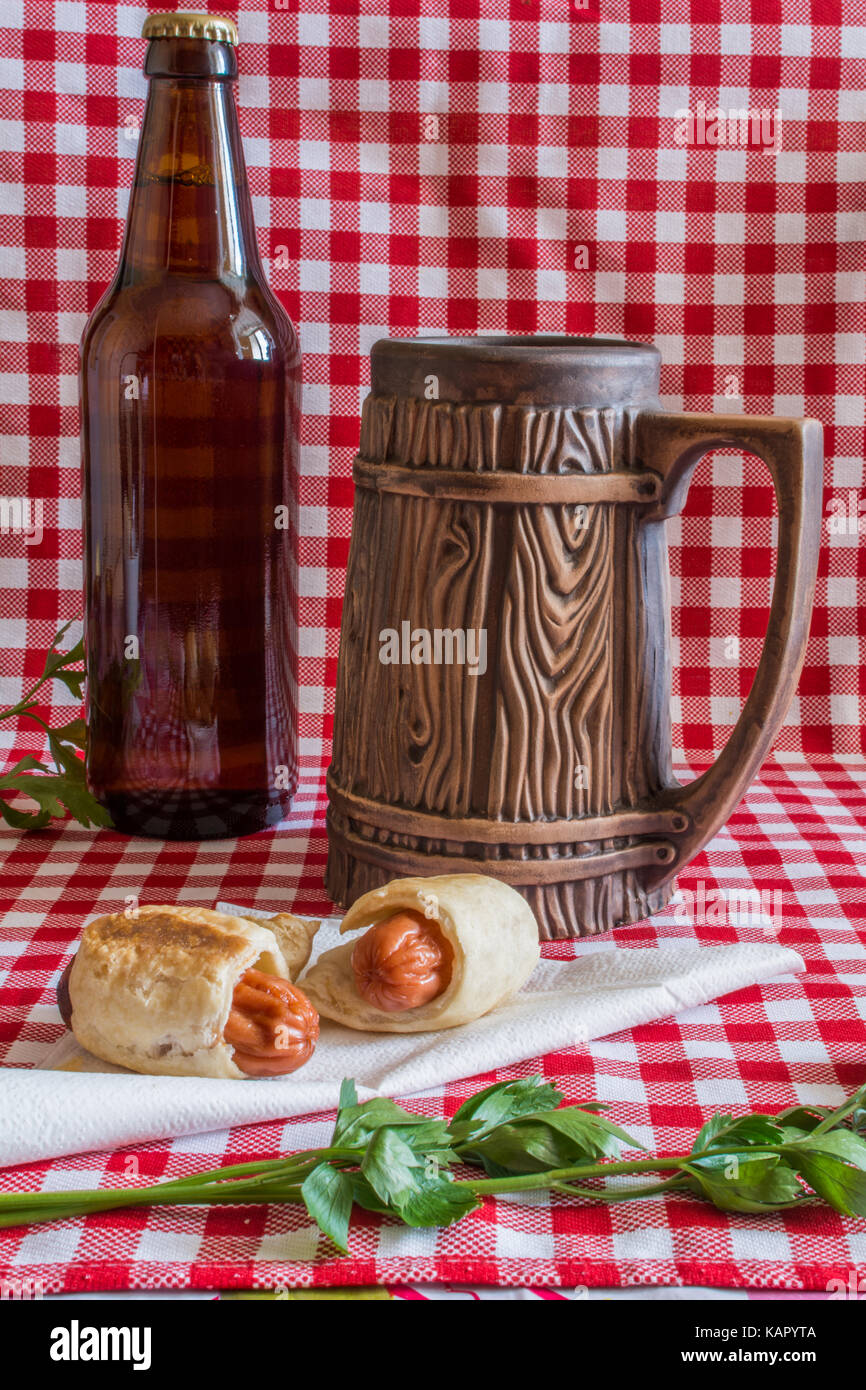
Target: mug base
x=564, y=911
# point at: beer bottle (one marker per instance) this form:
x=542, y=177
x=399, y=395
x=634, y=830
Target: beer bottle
x=190, y=391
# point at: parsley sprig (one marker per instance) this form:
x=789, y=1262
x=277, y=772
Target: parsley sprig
x=396, y=1163
x=61, y=788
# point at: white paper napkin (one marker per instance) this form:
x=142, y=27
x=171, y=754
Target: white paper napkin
x=74, y=1103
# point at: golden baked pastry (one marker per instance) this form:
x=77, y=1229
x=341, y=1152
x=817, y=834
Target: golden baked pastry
x=481, y=948
x=185, y=991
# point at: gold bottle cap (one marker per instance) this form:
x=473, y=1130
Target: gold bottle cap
x=181, y=24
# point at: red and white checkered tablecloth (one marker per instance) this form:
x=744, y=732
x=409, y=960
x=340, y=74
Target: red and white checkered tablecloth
x=481, y=166
x=801, y=832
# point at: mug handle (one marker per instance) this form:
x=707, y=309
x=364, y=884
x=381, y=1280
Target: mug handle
x=672, y=445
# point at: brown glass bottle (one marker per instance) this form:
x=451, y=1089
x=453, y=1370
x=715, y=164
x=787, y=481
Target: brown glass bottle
x=190, y=387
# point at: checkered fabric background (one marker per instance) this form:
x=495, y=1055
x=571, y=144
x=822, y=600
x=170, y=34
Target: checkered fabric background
x=501, y=166
x=425, y=165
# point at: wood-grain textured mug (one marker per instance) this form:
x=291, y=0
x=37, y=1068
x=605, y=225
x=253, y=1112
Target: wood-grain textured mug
x=503, y=689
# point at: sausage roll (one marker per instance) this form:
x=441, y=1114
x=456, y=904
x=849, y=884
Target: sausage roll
x=435, y=953
x=189, y=992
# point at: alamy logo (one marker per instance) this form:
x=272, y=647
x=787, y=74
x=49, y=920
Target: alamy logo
x=77, y=1343
x=846, y=516
x=438, y=646
x=736, y=907
x=752, y=127
x=19, y=516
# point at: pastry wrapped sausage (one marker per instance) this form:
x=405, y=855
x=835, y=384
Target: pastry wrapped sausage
x=189, y=992
x=436, y=953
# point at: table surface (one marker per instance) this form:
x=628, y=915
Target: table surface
x=799, y=835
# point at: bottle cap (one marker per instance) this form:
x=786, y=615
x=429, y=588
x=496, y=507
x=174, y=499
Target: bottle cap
x=180, y=24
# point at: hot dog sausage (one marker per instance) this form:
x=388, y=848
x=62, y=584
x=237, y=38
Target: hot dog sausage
x=64, y=1003
x=402, y=962
x=272, y=1026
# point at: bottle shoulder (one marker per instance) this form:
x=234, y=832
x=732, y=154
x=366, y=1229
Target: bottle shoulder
x=244, y=316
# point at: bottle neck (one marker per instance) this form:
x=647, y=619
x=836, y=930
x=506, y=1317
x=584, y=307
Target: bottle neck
x=190, y=211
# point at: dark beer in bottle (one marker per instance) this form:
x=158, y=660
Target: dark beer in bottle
x=190, y=388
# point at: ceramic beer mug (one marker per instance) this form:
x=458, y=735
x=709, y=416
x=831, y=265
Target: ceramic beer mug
x=503, y=690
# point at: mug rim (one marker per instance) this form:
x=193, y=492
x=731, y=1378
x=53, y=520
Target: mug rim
x=519, y=344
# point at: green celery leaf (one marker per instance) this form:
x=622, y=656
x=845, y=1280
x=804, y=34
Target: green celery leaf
x=73, y=680
x=24, y=820
x=25, y=764
x=555, y=1139
x=53, y=669
x=759, y=1183
x=594, y=1132
x=723, y=1131
x=493, y=1169
x=62, y=787
x=52, y=791
x=390, y=1166
x=759, y=1130
x=66, y=757
x=437, y=1201
x=356, y=1123
x=510, y=1150
x=79, y=802
x=57, y=659
x=528, y=1146
x=364, y=1196
x=348, y=1094
x=420, y=1193
x=328, y=1197
x=496, y=1105
x=790, y=1135
x=853, y=1105
x=842, y=1143
x=842, y=1186
x=58, y=663
x=75, y=733
x=713, y=1127
x=42, y=790
x=802, y=1117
